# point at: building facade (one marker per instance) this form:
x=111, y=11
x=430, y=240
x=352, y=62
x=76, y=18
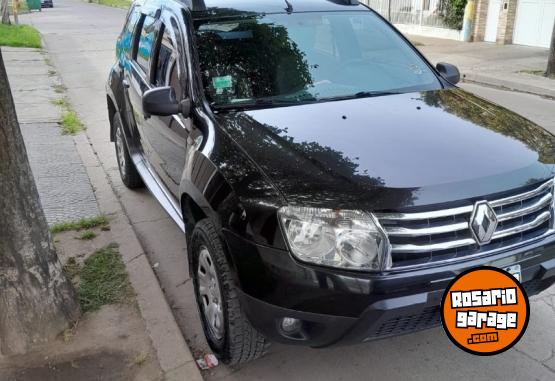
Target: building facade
x=523, y=22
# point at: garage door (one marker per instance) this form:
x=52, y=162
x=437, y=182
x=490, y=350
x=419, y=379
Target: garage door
x=534, y=22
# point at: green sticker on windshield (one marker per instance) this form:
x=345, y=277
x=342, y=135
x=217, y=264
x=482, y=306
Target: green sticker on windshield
x=221, y=83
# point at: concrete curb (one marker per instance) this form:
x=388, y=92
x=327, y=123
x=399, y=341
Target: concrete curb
x=173, y=354
x=523, y=86
x=172, y=351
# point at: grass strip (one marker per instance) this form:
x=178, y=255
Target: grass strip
x=85, y=223
x=20, y=36
x=101, y=280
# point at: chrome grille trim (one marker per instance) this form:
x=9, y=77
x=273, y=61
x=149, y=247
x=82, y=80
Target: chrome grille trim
x=542, y=203
x=433, y=247
x=545, y=216
x=405, y=232
x=438, y=236
x=521, y=197
x=424, y=215
x=548, y=233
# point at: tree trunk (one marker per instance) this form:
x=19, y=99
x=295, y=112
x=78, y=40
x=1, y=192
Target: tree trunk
x=551, y=61
x=15, y=10
x=4, y=11
x=36, y=300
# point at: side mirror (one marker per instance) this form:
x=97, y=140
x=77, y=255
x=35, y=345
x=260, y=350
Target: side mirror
x=160, y=101
x=449, y=72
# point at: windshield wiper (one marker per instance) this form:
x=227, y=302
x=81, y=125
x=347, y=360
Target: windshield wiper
x=259, y=103
x=367, y=94
x=360, y=94
x=267, y=103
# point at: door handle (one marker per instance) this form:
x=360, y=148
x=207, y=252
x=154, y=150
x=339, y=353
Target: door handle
x=125, y=83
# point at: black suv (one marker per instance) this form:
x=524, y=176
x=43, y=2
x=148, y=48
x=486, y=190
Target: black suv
x=329, y=180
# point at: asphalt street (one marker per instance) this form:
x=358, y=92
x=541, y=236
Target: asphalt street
x=80, y=39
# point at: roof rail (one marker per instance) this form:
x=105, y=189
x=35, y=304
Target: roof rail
x=194, y=5
x=197, y=5
x=346, y=2
x=200, y=5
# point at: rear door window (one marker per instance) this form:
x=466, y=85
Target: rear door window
x=129, y=30
x=147, y=39
x=166, y=57
x=167, y=66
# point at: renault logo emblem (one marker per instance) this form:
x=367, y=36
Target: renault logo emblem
x=483, y=222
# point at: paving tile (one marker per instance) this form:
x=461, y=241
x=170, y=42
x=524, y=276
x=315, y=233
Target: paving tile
x=64, y=187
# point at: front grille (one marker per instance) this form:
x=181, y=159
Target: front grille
x=427, y=318
x=533, y=287
x=443, y=235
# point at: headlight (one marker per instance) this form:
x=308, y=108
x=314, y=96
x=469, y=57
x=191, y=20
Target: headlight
x=347, y=239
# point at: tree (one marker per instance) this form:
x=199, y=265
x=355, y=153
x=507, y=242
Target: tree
x=4, y=12
x=36, y=300
x=452, y=12
x=551, y=61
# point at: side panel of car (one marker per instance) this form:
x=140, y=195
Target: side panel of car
x=136, y=75
x=117, y=84
x=198, y=164
x=167, y=136
x=216, y=168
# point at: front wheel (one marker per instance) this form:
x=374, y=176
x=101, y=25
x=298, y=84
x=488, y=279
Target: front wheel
x=228, y=331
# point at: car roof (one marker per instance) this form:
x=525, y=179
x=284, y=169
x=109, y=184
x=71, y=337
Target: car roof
x=219, y=8
x=209, y=9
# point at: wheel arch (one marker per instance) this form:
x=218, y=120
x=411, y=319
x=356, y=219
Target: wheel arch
x=194, y=211
x=112, y=110
x=205, y=194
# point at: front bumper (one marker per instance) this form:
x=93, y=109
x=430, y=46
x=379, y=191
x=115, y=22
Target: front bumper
x=339, y=307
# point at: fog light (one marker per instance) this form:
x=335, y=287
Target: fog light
x=291, y=325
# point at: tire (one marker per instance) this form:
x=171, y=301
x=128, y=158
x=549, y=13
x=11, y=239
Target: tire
x=127, y=170
x=237, y=341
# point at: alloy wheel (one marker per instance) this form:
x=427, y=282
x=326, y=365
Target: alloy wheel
x=120, y=150
x=210, y=294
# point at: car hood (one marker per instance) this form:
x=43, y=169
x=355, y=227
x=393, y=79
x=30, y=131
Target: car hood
x=393, y=152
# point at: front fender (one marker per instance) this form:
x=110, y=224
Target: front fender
x=223, y=182
x=114, y=96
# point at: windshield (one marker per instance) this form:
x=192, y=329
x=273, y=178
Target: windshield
x=305, y=57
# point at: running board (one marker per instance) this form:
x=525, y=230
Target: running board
x=158, y=190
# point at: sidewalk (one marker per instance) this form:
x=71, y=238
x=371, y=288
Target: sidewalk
x=73, y=184
x=508, y=66
x=65, y=191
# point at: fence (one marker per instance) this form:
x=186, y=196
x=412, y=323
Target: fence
x=22, y=7
x=429, y=13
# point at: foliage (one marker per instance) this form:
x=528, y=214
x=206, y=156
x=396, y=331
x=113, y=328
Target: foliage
x=115, y=3
x=533, y=72
x=452, y=12
x=61, y=102
x=101, y=280
x=71, y=124
x=87, y=236
x=85, y=223
x=19, y=36
x=22, y=7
